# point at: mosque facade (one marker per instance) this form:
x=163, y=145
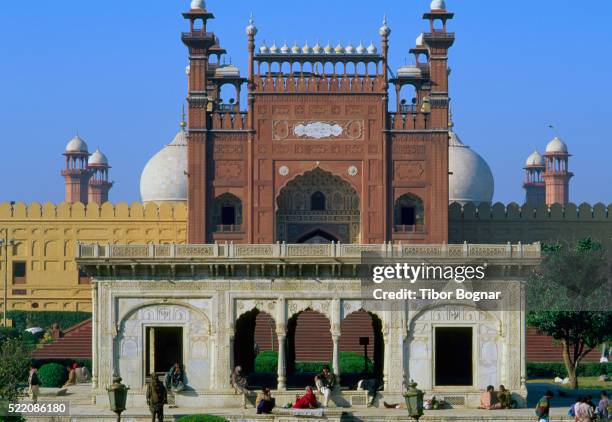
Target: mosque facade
x=264, y=209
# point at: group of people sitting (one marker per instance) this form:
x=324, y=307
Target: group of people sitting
x=501, y=399
x=77, y=374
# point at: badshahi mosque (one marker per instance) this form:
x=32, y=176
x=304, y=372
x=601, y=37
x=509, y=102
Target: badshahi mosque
x=254, y=219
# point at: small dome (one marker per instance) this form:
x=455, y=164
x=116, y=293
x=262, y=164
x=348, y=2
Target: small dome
x=263, y=49
x=306, y=49
x=329, y=49
x=97, y=159
x=471, y=179
x=556, y=146
x=535, y=160
x=296, y=49
x=285, y=48
x=164, y=178
x=350, y=49
x=409, y=72
x=274, y=49
x=438, y=5
x=77, y=145
x=339, y=49
x=227, y=70
x=198, y=4
x=384, y=30
x=251, y=29
x=372, y=48
x=317, y=49
x=361, y=48
x=419, y=40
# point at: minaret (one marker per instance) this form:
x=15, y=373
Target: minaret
x=198, y=42
x=556, y=174
x=76, y=174
x=99, y=185
x=535, y=190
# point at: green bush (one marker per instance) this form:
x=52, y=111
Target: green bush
x=266, y=362
x=554, y=369
x=314, y=367
x=64, y=362
x=352, y=363
x=53, y=375
x=45, y=319
x=201, y=418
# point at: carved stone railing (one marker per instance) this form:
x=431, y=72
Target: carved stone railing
x=300, y=251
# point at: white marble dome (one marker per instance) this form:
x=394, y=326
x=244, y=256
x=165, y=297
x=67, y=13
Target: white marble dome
x=438, y=5
x=556, y=146
x=471, y=179
x=535, y=159
x=76, y=144
x=98, y=159
x=164, y=178
x=198, y=4
x=408, y=71
x=227, y=70
x=419, y=40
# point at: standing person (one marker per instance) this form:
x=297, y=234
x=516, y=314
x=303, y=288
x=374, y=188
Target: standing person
x=175, y=378
x=584, y=411
x=33, y=384
x=264, y=403
x=326, y=383
x=542, y=409
x=240, y=384
x=156, y=398
x=602, y=407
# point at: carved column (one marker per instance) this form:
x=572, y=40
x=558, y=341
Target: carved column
x=335, y=333
x=94, y=339
x=336, y=355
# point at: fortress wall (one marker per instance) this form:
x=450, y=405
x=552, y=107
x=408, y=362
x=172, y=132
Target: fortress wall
x=501, y=223
x=46, y=237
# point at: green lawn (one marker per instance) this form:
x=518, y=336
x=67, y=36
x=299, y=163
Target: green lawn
x=587, y=383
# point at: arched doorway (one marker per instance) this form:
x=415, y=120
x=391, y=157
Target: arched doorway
x=356, y=328
x=309, y=347
x=255, y=339
x=316, y=207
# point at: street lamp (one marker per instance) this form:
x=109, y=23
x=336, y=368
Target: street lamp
x=414, y=401
x=117, y=396
x=5, y=243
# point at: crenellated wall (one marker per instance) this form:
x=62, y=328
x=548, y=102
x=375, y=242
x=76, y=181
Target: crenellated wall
x=513, y=223
x=45, y=240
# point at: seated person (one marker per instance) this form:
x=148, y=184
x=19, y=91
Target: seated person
x=72, y=380
x=307, y=401
x=488, y=399
x=82, y=374
x=504, y=397
x=264, y=403
x=326, y=383
x=370, y=385
x=175, y=378
x=240, y=384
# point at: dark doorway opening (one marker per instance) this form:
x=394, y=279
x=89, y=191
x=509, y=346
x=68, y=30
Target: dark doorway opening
x=164, y=347
x=317, y=202
x=228, y=216
x=453, y=354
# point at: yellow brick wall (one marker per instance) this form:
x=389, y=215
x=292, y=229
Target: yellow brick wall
x=46, y=236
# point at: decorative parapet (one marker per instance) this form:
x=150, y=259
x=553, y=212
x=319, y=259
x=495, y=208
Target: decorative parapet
x=338, y=252
x=527, y=212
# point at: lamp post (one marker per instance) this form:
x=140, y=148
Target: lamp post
x=414, y=401
x=117, y=396
x=5, y=243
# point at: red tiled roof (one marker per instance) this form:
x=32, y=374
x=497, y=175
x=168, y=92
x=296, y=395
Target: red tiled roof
x=76, y=344
x=543, y=348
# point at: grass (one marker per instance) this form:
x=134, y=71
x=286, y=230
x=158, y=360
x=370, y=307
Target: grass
x=584, y=383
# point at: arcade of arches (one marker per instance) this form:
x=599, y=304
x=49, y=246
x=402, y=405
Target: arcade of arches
x=309, y=339
x=318, y=207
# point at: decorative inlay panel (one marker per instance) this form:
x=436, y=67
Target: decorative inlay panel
x=300, y=130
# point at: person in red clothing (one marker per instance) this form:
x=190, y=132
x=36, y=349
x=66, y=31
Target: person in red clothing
x=307, y=401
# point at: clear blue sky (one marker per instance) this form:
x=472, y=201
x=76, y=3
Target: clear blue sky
x=114, y=71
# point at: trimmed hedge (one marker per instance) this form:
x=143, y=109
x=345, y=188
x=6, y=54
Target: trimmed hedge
x=352, y=363
x=53, y=375
x=64, y=362
x=266, y=362
x=45, y=319
x=201, y=418
x=555, y=369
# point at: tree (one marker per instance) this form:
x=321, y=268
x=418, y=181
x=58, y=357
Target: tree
x=569, y=299
x=15, y=356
